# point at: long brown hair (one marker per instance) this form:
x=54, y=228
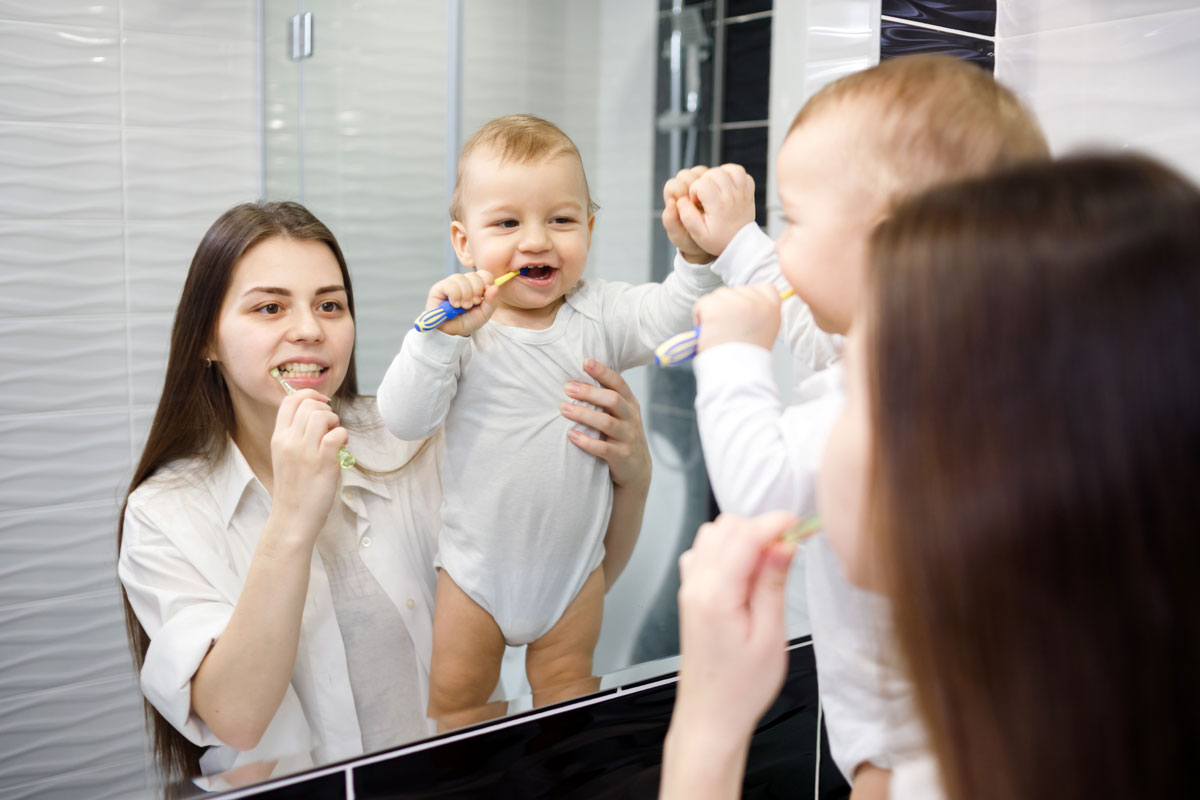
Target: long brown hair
x=1034, y=374
x=195, y=415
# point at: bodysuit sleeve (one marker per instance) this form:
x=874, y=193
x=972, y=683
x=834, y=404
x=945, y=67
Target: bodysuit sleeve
x=638, y=318
x=760, y=456
x=422, y=380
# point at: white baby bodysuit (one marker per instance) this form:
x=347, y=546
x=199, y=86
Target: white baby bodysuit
x=525, y=511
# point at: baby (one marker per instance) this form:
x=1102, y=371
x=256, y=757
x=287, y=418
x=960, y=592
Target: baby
x=525, y=511
x=857, y=148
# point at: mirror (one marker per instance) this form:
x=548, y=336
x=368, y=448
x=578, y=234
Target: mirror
x=113, y=173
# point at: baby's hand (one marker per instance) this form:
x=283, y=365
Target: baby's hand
x=739, y=314
x=674, y=190
x=718, y=205
x=473, y=290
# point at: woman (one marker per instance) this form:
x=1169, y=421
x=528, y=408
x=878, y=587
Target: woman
x=1016, y=468
x=250, y=648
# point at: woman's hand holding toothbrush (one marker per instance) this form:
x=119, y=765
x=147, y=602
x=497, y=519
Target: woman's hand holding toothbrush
x=304, y=463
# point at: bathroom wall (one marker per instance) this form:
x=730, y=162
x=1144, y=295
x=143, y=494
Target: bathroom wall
x=124, y=129
x=1107, y=73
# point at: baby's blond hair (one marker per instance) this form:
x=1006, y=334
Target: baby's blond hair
x=518, y=138
x=927, y=119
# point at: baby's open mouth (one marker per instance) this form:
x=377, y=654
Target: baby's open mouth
x=537, y=272
x=297, y=369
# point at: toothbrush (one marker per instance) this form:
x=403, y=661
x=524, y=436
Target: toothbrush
x=681, y=347
x=444, y=312
x=799, y=531
x=344, y=456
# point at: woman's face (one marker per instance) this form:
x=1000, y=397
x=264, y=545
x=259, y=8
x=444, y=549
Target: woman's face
x=286, y=309
x=842, y=484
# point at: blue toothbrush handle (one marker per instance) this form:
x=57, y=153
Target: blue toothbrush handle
x=434, y=317
x=679, y=349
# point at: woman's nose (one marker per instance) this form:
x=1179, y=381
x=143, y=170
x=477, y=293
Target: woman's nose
x=306, y=326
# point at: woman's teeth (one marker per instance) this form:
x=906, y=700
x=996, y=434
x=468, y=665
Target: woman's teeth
x=295, y=369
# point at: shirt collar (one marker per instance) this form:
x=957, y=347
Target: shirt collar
x=230, y=478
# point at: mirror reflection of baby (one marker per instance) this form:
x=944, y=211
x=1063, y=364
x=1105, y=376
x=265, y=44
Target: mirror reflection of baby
x=525, y=511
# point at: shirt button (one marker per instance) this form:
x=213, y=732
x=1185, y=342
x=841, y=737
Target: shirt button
x=365, y=541
x=410, y=604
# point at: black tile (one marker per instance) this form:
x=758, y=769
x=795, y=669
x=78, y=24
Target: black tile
x=973, y=16
x=611, y=749
x=748, y=147
x=736, y=8
x=747, y=70
x=900, y=40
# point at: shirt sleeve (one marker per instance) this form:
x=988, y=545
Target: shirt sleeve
x=184, y=614
x=422, y=380
x=760, y=456
x=639, y=318
x=867, y=701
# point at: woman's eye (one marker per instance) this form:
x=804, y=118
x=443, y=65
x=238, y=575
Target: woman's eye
x=270, y=308
x=330, y=307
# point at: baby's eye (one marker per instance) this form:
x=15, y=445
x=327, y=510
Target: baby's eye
x=507, y=223
x=563, y=220
x=269, y=308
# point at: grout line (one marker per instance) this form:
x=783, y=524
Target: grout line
x=914, y=24
x=125, y=235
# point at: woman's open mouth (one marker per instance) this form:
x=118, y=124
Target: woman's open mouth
x=298, y=370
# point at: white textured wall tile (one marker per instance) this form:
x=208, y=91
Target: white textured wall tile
x=59, y=172
x=1018, y=17
x=62, y=12
x=141, y=417
x=175, y=174
x=53, y=459
x=1128, y=83
x=43, y=553
x=59, y=73
x=70, y=729
x=63, y=642
x=88, y=370
x=624, y=141
x=150, y=342
x=61, y=268
x=158, y=256
x=120, y=781
x=190, y=82
x=222, y=19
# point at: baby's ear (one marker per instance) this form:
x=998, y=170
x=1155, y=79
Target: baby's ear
x=591, y=227
x=458, y=238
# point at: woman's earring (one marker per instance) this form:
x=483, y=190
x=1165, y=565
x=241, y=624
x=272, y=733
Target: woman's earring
x=207, y=362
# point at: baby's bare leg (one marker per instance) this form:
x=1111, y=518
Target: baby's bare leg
x=467, y=649
x=559, y=664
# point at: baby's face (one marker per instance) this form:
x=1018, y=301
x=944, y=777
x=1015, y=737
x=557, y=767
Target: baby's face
x=533, y=215
x=829, y=214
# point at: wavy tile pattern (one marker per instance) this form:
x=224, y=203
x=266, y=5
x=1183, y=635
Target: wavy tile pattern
x=1019, y=17
x=79, y=181
x=974, y=16
x=83, y=274
x=59, y=74
x=897, y=40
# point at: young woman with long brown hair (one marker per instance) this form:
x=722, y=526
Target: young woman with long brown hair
x=1016, y=469
x=278, y=605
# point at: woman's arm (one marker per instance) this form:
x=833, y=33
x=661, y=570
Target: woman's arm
x=623, y=445
x=733, y=661
x=241, y=682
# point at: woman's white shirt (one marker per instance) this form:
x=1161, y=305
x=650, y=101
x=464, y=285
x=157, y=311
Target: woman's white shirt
x=190, y=533
x=917, y=779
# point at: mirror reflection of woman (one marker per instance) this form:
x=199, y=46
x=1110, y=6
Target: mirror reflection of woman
x=279, y=606
x=1016, y=467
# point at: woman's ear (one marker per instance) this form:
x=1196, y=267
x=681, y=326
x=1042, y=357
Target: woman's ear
x=458, y=238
